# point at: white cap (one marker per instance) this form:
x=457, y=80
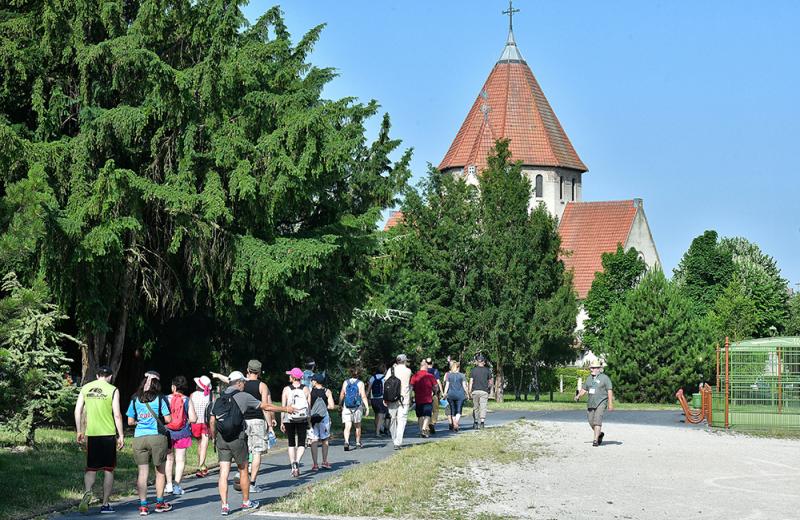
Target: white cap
x=235, y=376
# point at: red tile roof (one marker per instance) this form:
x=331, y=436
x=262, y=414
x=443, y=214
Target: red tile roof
x=515, y=107
x=394, y=219
x=589, y=229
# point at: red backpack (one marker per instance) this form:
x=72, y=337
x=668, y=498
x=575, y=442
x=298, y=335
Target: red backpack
x=177, y=412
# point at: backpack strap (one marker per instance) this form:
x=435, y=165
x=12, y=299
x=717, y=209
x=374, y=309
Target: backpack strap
x=159, y=418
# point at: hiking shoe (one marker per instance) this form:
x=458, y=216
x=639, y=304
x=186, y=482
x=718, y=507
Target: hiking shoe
x=600, y=438
x=226, y=510
x=346, y=447
x=163, y=507
x=314, y=468
x=83, y=507
x=326, y=465
x=143, y=511
x=594, y=443
x=177, y=490
x=250, y=505
x=106, y=509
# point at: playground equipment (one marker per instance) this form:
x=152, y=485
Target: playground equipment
x=757, y=386
x=695, y=416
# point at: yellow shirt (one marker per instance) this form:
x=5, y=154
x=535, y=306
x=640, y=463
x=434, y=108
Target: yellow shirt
x=98, y=397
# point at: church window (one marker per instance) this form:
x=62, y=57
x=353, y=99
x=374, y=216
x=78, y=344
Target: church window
x=539, y=189
x=573, y=190
x=561, y=188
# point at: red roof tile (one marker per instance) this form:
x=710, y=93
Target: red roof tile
x=589, y=229
x=512, y=105
x=394, y=219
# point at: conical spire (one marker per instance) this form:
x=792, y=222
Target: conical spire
x=511, y=51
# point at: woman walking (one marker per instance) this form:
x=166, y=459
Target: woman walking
x=180, y=432
x=201, y=402
x=295, y=425
x=456, y=391
x=149, y=412
x=321, y=402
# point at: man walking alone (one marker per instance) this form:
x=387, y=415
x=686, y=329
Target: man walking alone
x=601, y=398
x=103, y=435
x=480, y=379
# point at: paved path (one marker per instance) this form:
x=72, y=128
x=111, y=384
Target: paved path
x=202, y=500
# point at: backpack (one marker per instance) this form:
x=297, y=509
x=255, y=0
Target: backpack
x=392, y=388
x=377, y=386
x=230, y=420
x=352, y=397
x=177, y=412
x=298, y=401
x=318, y=410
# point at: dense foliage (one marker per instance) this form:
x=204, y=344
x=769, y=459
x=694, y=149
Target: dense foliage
x=656, y=343
x=165, y=164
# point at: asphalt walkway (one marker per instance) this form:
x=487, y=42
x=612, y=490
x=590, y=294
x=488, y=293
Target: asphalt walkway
x=202, y=499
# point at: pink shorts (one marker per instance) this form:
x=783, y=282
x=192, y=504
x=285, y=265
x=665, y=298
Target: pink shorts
x=180, y=444
x=199, y=430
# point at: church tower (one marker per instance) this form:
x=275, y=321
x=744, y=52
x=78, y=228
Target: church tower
x=511, y=105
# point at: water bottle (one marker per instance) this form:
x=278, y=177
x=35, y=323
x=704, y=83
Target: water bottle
x=271, y=440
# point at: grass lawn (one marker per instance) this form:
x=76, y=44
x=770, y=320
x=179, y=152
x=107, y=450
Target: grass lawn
x=51, y=476
x=412, y=482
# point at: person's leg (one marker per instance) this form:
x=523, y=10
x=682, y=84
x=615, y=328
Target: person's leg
x=88, y=480
x=108, y=486
x=314, y=445
x=393, y=418
x=244, y=478
x=302, y=432
x=224, y=471
x=254, y=466
x=402, y=419
x=141, y=482
x=180, y=463
x=168, y=468
x=202, y=449
x=161, y=482
x=358, y=433
x=325, y=444
x=346, y=433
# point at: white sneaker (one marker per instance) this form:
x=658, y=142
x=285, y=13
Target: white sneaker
x=168, y=489
x=255, y=488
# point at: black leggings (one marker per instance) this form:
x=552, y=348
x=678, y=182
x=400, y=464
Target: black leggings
x=296, y=433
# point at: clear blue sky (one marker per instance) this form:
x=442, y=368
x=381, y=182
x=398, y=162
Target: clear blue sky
x=692, y=106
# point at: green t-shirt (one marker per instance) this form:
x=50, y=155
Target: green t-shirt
x=598, y=388
x=98, y=397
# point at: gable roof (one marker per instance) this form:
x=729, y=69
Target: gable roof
x=589, y=229
x=511, y=104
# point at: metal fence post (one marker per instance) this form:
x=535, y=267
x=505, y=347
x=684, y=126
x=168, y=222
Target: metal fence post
x=727, y=380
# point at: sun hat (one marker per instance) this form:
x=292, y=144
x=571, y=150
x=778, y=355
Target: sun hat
x=235, y=376
x=254, y=366
x=202, y=381
x=595, y=364
x=295, y=373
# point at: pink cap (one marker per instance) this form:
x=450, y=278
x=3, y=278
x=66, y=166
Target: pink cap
x=295, y=373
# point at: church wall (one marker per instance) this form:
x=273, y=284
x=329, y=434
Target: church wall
x=641, y=239
x=551, y=192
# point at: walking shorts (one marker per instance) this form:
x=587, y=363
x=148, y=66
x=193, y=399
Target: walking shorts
x=596, y=414
x=235, y=450
x=296, y=433
x=378, y=406
x=150, y=447
x=256, y=435
x=424, y=410
x=101, y=453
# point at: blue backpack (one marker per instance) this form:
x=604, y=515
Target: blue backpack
x=352, y=397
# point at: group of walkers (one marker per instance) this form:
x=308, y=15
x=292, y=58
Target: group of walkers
x=241, y=421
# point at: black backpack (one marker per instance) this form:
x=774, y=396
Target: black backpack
x=392, y=388
x=230, y=420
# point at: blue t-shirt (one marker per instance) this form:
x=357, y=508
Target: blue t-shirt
x=145, y=422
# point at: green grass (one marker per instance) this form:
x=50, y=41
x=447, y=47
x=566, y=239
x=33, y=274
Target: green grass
x=50, y=477
x=407, y=483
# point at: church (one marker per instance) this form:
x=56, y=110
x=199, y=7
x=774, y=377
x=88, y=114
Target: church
x=511, y=104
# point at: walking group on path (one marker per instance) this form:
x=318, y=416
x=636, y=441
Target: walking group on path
x=241, y=421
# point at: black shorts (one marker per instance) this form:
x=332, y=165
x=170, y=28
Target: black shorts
x=101, y=453
x=296, y=433
x=424, y=410
x=378, y=406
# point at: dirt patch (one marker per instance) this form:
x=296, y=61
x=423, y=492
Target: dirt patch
x=642, y=472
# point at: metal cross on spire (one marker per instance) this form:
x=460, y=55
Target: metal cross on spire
x=510, y=14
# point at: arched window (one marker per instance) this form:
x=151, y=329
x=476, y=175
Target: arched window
x=539, y=189
x=573, y=190
x=561, y=188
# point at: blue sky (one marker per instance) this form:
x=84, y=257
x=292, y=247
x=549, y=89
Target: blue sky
x=692, y=106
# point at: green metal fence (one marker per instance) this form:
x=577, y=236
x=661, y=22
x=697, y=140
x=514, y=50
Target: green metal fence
x=758, y=385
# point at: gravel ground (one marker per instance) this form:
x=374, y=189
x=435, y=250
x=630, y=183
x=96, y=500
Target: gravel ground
x=644, y=472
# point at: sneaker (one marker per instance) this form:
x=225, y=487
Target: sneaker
x=594, y=443
x=143, y=511
x=326, y=465
x=359, y=445
x=163, y=507
x=396, y=447
x=169, y=489
x=600, y=438
x=83, y=507
x=314, y=468
x=346, y=447
x=107, y=509
x=255, y=488
x=226, y=510
x=474, y=426
x=177, y=490
x=250, y=505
